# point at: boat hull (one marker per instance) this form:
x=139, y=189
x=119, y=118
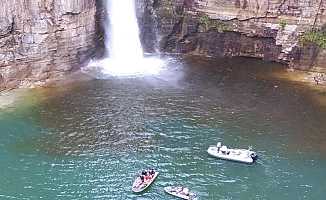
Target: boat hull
x=141, y=189
x=169, y=190
x=241, y=157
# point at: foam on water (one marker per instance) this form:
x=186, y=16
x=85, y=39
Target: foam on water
x=126, y=67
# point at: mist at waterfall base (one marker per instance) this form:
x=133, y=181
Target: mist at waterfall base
x=124, y=52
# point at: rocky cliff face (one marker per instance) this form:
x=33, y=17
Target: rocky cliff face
x=42, y=40
x=268, y=29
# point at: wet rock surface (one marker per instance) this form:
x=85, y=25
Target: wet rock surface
x=267, y=29
x=44, y=40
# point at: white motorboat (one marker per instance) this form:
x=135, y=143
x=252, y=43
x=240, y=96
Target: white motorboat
x=240, y=155
x=181, y=192
x=141, y=183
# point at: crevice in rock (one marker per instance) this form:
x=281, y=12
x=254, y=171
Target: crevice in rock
x=176, y=30
x=317, y=15
x=251, y=18
x=280, y=11
x=71, y=13
x=12, y=27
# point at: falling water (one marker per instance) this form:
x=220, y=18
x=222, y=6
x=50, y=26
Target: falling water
x=123, y=36
x=124, y=52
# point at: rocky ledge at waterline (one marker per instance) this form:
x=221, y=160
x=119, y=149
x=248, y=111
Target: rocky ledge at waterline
x=45, y=40
x=290, y=32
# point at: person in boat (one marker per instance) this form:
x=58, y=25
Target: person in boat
x=142, y=178
x=152, y=172
x=146, y=175
x=141, y=181
x=185, y=191
x=224, y=149
x=219, y=145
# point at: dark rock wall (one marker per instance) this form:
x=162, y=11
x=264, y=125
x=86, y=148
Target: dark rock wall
x=267, y=29
x=44, y=40
x=147, y=20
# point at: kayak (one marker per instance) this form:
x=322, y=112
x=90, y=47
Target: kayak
x=180, y=192
x=138, y=186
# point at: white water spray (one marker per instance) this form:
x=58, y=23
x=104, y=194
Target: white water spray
x=122, y=39
x=122, y=43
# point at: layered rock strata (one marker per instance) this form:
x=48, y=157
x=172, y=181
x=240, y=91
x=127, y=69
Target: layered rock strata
x=268, y=29
x=43, y=40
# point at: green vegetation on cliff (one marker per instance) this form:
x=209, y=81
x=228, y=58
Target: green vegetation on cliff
x=315, y=37
x=207, y=23
x=282, y=24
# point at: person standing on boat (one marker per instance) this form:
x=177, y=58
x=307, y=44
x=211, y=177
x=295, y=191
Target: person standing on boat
x=185, y=191
x=152, y=172
x=219, y=145
x=141, y=180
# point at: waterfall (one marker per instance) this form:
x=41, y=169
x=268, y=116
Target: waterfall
x=122, y=36
x=124, y=53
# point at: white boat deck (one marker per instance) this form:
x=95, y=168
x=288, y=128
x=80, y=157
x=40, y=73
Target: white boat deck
x=239, y=155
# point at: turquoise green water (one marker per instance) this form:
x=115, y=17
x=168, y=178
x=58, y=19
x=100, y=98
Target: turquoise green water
x=90, y=141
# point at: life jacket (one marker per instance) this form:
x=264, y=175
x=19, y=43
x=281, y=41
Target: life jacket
x=148, y=177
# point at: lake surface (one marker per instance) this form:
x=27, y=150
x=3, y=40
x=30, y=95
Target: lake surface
x=89, y=141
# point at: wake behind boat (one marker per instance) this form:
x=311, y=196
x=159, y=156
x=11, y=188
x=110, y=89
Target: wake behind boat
x=181, y=192
x=143, y=181
x=239, y=155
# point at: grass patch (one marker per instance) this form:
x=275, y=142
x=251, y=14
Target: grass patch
x=282, y=24
x=211, y=24
x=315, y=37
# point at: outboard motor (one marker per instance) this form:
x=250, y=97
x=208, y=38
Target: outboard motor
x=253, y=155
